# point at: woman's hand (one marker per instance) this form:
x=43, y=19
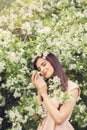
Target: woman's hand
x=39, y=83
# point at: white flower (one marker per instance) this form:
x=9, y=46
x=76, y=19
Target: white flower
x=44, y=30
x=55, y=81
x=30, y=85
x=11, y=26
x=6, y=36
x=17, y=94
x=26, y=27
x=3, y=19
x=16, y=126
x=34, y=56
x=72, y=66
x=0, y=78
x=82, y=108
x=1, y=119
x=23, y=61
x=13, y=16
x=2, y=66
x=80, y=67
x=14, y=56
x=45, y=54
x=2, y=100
x=11, y=114
x=30, y=110
x=25, y=119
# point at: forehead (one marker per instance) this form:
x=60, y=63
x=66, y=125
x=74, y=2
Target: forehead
x=40, y=61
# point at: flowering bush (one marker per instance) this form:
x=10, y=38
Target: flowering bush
x=27, y=29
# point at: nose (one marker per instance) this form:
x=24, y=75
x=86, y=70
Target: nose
x=42, y=69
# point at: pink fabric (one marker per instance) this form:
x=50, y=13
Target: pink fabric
x=49, y=123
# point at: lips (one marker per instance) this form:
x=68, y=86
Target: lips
x=45, y=73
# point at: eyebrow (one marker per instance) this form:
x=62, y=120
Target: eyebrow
x=43, y=62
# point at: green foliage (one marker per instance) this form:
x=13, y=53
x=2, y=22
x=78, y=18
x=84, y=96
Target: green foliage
x=27, y=29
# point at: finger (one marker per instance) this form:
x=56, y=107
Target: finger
x=41, y=78
x=33, y=75
x=32, y=72
x=36, y=77
x=32, y=78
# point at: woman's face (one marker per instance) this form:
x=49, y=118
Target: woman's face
x=45, y=68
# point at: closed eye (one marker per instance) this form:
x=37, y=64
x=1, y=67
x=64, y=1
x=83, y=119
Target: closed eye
x=44, y=63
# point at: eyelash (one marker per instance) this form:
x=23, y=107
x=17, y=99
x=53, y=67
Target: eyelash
x=43, y=65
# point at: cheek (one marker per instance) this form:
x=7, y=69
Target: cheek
x=51, y=68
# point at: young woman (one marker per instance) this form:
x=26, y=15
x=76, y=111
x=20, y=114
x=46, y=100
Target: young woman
x=58, y=116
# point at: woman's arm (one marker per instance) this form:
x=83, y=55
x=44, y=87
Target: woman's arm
x=65, y=110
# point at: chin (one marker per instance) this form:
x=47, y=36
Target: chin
x=47, y=77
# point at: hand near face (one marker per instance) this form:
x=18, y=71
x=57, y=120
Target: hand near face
x=39, y=83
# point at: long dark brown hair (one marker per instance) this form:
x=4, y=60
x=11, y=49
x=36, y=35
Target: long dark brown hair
x=58, y=69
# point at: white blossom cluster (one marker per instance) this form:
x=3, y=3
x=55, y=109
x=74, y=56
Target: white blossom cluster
x=29, y=29
x=16, y=118
x=2, y=100
x=55, y=91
